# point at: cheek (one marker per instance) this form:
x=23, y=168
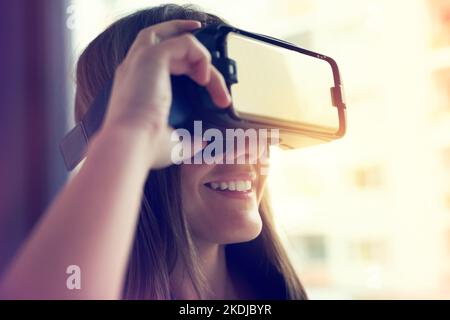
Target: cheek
x=215, y=218
x=190, y=187
x=195, y=205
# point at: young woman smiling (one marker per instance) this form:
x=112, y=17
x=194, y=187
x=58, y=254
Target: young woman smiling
x=137, y=226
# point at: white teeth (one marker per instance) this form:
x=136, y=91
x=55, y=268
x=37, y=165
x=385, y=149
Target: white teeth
x=240, y=185
x=215, y=185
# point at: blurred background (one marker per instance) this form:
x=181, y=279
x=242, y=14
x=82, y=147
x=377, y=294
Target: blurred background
x=364, y=217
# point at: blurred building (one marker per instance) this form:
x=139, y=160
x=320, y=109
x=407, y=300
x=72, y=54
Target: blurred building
x=369, y=217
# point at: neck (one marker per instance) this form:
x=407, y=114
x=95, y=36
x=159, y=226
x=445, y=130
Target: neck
x=213, y=265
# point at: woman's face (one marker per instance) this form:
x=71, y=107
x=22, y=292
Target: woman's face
x=221, y=201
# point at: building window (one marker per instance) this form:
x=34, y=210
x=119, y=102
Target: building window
x=368, y=177
x=367, y=251
x=312, y=248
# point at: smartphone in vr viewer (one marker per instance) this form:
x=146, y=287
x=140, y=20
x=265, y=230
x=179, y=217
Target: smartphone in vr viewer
x=273, y=84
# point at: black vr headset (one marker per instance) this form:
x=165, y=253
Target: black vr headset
x=273, y=84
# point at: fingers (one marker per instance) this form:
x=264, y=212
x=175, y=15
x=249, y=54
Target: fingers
x=188, y=56
x=171, y=41
x=218, y=89
x=162, y=31
x=174, y=28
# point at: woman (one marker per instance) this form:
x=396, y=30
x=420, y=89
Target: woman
x=181, y=239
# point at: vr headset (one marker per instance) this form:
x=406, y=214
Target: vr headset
x=273, y=84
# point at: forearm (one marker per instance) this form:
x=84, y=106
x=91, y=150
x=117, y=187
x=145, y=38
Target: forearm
x=90, y=224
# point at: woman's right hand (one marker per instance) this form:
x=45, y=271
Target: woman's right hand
x=142, y=95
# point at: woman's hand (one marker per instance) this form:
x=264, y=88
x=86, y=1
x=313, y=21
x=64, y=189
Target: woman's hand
x=142, y=94
x=92, y=221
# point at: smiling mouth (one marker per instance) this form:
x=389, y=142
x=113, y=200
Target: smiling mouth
x=238, y=186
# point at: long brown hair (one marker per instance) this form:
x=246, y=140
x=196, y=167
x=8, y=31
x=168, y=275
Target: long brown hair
x=162, y=234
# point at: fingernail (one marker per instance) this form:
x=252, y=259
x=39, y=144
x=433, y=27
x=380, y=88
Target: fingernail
x=229, y=97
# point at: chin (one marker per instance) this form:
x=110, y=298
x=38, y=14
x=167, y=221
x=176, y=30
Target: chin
x=241, y=232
